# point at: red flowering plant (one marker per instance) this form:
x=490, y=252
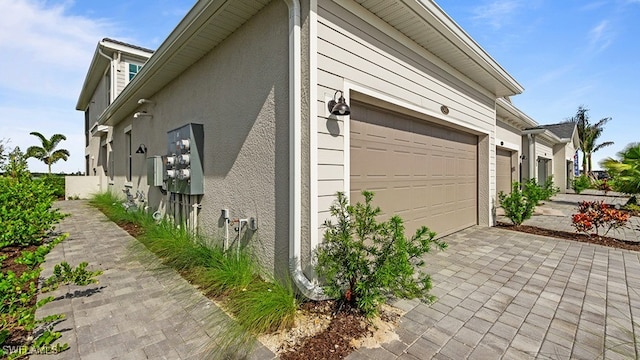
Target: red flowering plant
x=598, y=215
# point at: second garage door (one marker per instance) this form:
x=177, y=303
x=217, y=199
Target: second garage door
x=423, y=172
x=504, y=171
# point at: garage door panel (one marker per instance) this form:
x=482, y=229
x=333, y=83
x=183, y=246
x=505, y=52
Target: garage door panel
x=504, y=171
x=423, y=172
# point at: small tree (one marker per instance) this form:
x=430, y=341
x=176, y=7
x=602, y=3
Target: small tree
x=47, y=153
x=364, y=261
x=588, y=134
x=517, y=206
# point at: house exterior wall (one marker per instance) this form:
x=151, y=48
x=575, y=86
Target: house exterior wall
x=544, y=149
x=239, y=92
x=510, y=138
x=98, y=160
x=356, y=55
x=562, y=153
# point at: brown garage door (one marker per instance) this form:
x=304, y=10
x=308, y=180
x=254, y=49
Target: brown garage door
x=504, y=171
x=425, y=173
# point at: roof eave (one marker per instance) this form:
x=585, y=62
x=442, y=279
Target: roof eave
x=454, y=33
x=508, y=110
x=91, y=80
x=188, y=26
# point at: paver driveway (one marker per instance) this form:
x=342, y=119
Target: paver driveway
x=502, y=294
x=510, y=295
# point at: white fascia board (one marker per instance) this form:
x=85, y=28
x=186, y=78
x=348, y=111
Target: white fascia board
x=429, y=10
x=506, y=109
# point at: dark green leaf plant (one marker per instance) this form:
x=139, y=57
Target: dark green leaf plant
x=364, y=261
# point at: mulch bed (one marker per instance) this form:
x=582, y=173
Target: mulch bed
x=347, y=324
x=566, y=235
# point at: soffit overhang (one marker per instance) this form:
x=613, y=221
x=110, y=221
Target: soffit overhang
x=424, y=22
x=509, y=114
x=209, y=23
x=205, y=26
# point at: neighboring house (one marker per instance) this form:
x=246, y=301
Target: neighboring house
x=554, y=147
x=525, y=149
x=510, y=154
x=113, y=66
x=235, y=132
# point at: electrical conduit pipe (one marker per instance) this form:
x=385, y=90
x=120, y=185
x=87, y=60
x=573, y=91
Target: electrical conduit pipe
x=306, y=287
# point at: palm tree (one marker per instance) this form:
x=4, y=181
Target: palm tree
x=626, y=171
x=47, y=153
x=588, y=134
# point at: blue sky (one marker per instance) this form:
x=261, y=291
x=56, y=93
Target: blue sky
x=565, y=53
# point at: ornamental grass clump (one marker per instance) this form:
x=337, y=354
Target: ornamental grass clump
x=363, y=261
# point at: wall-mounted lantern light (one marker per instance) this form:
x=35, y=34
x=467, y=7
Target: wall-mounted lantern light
x=523, y=157
x=339, y=107
x=142, y=149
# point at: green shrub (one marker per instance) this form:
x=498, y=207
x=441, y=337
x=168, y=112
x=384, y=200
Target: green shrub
x=549, y=189
x=26, y=214
x=364, y=261
x=536, y=193
x=517, y=206
x=532, y=191
x=56, y=183
x=580, y=183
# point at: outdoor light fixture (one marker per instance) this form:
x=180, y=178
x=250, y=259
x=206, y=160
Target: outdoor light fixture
x=339, y=108
x=141, y=114
x=146, y=101
x=523, y=157
x=142, y=149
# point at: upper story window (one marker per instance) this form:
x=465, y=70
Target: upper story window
x=133, y=70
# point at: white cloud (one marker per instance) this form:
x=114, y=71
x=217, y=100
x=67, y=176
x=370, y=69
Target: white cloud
x=497, y=12
x=50, y=49
x=46, y=53
x=600, y=36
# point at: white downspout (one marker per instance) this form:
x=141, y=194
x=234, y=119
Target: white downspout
x=306, y=287
x=111, y=75
x=532, y=155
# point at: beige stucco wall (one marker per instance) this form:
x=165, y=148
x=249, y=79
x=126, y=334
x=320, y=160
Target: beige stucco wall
x=82, y=187
x=239, y=92
x=361, y=58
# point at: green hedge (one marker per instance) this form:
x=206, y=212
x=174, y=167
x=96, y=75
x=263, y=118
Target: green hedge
x=26, y=213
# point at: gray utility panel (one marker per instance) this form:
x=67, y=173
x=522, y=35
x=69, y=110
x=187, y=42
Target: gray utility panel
x=183, y=163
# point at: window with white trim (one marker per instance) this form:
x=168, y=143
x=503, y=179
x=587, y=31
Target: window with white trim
x=133, y=70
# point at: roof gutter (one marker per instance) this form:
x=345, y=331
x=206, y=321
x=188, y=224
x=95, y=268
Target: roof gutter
x=307, y=287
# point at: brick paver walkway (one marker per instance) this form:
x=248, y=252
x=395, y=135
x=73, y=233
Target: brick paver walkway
x=139, y=309
x=501, y=294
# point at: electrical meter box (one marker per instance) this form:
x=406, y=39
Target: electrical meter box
x=183, y=170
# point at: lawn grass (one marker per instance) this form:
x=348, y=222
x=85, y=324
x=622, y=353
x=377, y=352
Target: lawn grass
x=258, y=305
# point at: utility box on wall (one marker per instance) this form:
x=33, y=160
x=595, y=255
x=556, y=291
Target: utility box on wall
x=155, y=171
x=184, y=173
